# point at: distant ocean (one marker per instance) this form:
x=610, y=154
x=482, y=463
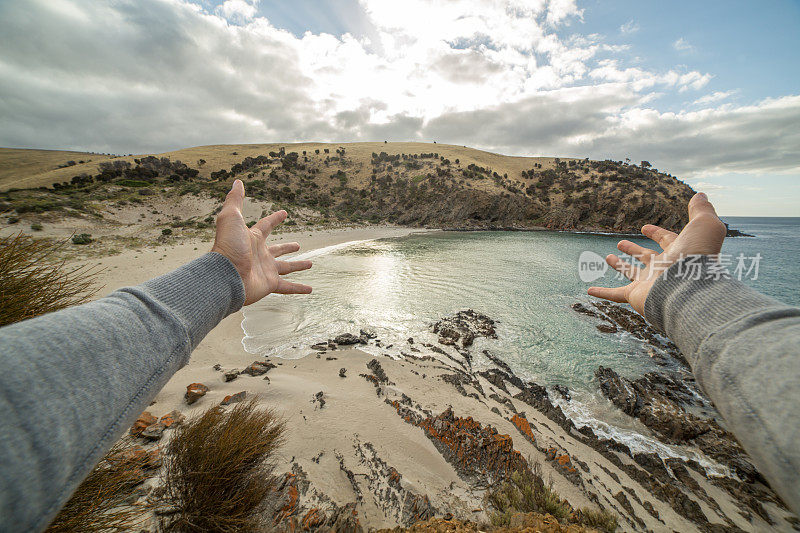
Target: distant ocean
x=527, y=281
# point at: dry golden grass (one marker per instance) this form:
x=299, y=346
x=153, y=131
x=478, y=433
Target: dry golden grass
x=103, y=501
x=23, y=168
x=33, y=283
x=218, y=472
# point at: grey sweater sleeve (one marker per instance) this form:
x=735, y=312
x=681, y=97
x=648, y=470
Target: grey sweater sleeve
x=744, y=349
x=72, y=382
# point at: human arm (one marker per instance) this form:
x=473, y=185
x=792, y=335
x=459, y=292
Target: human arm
x=742, y=346
x=73, y=381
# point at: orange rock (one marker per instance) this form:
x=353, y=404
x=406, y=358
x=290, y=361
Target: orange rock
x=194, y=392
x=234, y=398
x=312, y=520
x=145, y=419
x=524, y=426
x=173, y=417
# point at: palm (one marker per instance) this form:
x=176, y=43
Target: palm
x=247, y=249
x=703, y=235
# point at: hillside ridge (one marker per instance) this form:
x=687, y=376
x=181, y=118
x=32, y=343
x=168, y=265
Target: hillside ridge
x=416, y=184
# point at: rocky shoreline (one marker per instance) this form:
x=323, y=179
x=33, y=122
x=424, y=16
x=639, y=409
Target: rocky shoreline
x=483, y=456
x=423, y=437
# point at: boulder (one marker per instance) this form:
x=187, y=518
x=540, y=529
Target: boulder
x=153, y=431
x=230, y=375
x=342, y=372
x=347, y=339
x=173, y=418
x=194, y=392
x=234, y=398
x=258, y=368
x=145, y=419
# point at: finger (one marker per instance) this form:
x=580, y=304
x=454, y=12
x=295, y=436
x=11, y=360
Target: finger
x=288, y=287
x=277, y=250
x=645, y=255
x=615, y=294
x=269, y=222
x=663, y=237
x=623, y=267
x=235, y=198
x=699, y=205
x=287, y=267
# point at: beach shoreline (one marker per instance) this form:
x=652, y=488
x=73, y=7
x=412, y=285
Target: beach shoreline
x=356, y=422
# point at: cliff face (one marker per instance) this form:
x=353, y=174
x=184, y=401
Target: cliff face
x=416, y=184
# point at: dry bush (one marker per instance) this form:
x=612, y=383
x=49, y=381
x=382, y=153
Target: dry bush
x=526, y=492
x=33, y=283
x=104, y=501
x=598, y=519
x=219, y=470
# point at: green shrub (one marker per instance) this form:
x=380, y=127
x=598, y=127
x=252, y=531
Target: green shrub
x=13, y=220
x=166, y=231
x=526, y=492
x=133, y=183
x=82, y=238
x=37, y=227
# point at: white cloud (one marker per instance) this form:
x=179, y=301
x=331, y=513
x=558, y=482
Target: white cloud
x=706, y=186
x=682, y=45
x=237, y=11
x=714, y=97
x=629, y=27
x=153, y=75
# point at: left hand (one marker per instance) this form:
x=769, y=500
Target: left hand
x=247, y=249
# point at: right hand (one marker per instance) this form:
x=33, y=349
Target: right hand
x=247, y=249
x=703, y=235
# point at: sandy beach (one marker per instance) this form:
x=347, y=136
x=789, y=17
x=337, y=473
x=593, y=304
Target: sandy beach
x=388, y=437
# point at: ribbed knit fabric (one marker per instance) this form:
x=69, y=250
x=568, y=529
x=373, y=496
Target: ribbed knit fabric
x=744, y=349
x=72, y=382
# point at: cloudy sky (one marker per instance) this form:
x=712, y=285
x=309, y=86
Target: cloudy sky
x=708, y=91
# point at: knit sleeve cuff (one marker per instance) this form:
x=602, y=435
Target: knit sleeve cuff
x=696, y=297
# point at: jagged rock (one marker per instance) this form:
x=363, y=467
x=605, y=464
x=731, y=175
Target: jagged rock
x=234, y=398
x=342, y=372
x=654, y=399
x=643, y=401
x=464, y=326
x=194, y=392
x=479, y=454
x=377, y=371
x=366, y=334
x=217, y=367
x=153, y=431
x=347, y=339
x=617, y=317
x=136, y=456
x=319, y=398
x=258, y=368
x=145, y=419
x=230, y=375
x=174, y=417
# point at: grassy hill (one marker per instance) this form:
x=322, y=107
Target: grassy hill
x=418, y=184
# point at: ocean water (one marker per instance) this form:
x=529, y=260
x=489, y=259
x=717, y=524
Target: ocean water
x=526, y=281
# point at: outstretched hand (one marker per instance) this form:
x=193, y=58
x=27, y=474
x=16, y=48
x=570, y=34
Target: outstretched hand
x=247, y=249
x=703, y=235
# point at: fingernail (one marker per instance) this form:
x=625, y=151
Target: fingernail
x=235, y=182
x=702, y=195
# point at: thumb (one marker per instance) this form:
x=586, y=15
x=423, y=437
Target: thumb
x=699, y=205
x=235, y=197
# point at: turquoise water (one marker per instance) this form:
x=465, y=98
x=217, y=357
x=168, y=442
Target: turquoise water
x=526, y=281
